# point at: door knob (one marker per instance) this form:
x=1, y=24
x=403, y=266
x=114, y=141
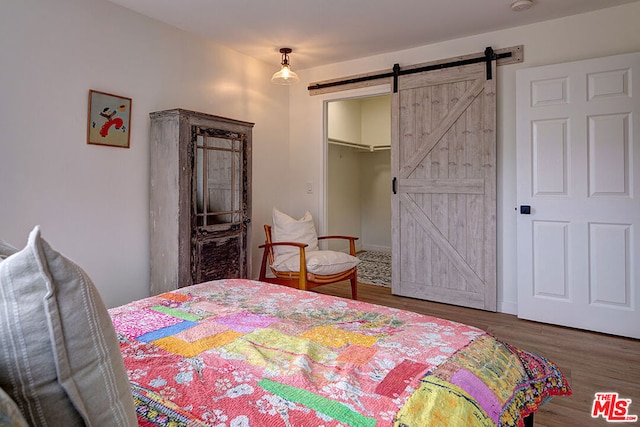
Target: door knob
x=525, y=210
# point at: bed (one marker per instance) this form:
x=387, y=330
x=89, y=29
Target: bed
x=238, y=352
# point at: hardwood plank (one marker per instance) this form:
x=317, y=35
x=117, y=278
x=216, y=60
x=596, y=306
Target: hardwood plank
x=457, y=200
x=442, y=185
x=489, y=159
x=432, y=140
x=591, y=361
x=445, y=248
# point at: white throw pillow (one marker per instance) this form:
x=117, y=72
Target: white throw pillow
x=318, y=262
x=60, y=359
x=6, y=250
x=287, y=229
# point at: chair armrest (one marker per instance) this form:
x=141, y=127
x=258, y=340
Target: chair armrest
x=269, y=245
x=338, y=237
x=352, y=242
x=303, y=260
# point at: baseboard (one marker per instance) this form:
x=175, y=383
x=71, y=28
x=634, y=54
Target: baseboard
x=508, y=307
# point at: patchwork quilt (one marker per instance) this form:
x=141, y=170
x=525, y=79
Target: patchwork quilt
x=244, y=353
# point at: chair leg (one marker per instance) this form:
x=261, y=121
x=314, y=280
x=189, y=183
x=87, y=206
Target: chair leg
x=263, y=265
x=354, y=288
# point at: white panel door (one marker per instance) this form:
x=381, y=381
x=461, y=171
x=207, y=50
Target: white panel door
x=578, y=157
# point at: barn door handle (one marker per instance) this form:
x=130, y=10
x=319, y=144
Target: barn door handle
x=394, y=184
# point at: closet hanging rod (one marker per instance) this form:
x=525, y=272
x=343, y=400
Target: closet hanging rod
x=359, y=146
x=489, y=55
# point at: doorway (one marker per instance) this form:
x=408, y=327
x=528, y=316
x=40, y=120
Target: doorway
x=358, y=171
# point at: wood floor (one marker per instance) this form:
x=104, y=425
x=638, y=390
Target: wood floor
x=592, y=362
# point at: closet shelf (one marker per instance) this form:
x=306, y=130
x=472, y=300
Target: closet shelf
x=356, y=145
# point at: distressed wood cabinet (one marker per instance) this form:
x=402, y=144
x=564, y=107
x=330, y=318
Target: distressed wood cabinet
x=200, y=199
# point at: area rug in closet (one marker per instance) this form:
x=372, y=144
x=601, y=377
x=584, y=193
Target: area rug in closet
x=374, y=268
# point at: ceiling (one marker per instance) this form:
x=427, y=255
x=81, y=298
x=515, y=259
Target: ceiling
x=327, y=31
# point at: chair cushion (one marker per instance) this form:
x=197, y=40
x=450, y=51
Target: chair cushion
x=10, y=415
x=60, y=360
x=322, y=263
x=287, y=229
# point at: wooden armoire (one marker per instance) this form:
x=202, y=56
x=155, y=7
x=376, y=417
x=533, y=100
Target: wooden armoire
x=200, y=199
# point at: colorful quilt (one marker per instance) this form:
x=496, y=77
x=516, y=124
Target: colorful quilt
x=244, y=353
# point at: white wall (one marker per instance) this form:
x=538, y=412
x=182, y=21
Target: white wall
x=375, y=174
x=343, y=196
x=376, y=120
x=91, y=201
x=601, y=33
x=375, y=200
x=345, y=120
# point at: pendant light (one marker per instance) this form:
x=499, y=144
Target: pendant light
x=285, y=76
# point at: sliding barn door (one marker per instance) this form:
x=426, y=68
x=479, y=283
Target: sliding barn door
x=443, y=161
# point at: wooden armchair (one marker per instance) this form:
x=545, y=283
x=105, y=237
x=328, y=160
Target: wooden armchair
x=302, y=278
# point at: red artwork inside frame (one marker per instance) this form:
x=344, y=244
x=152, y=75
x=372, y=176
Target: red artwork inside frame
x=109, y=119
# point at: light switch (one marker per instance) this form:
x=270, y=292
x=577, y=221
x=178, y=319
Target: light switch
x=309, y=187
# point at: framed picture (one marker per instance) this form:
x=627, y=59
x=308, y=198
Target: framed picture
x=109, y=119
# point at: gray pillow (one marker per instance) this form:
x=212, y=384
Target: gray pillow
x=60, y=358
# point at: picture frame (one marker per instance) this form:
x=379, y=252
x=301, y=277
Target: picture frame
x=109, y=119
